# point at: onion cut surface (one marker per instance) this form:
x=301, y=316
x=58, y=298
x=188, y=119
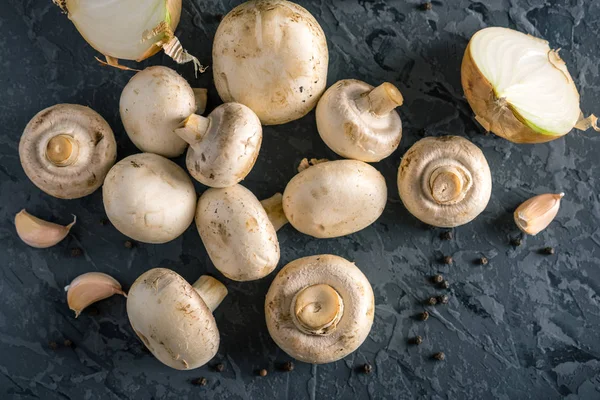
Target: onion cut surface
x=129, y=29
x=505, y=71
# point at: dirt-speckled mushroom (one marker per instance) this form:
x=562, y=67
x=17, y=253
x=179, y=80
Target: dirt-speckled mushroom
x=444, y=181
x=334, y=198
x=359, y=121
x=223, y=146
x=149, y=198
x=271, y=55
x=66, y=150
x=174, y=319
x=152, y=106
x=319, y=309
x=237, y=232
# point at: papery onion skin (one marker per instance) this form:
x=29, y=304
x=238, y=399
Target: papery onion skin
x=174, y=13
x=495, y=114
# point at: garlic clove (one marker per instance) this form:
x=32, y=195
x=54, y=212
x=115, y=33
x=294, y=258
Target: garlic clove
x=535, y=214
x=89, y=288
x=39, y=233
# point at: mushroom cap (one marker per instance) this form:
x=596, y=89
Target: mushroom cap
x=271, y=56
x=431, y=153
x=352, y=329
x=335, y=198
x=149, y=198
x=172, y=320
x=228, y=151
x=96, y=150
x=153, y=103
x=352, y=133
x=236, y=231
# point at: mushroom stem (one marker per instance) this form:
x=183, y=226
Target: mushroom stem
x=448, y=184
x=62, y=150
x=381, y=100
x=317, y=309
x=274, y=208
x=193, y=129
x=211, y=290
x=201, y=96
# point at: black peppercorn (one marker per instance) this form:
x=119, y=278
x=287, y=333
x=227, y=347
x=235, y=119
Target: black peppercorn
x=53, y=345
x=483, y=261
x=417, y=340
x=439, y=356
x=76, y=252
x=516, y=242
x=432, y=301
x=263, y=372
x=548, y=250
x=104, y=221
x=129, y=244
x=445, y=285
x=200, y=381
x=424, y=316
x=367, y=368
x=443, y=299
x=68, y=343
x=437, y=278
x=426, y=6
x=448, y=260
x=447, y=235
x=220, y=367
x=288, y=366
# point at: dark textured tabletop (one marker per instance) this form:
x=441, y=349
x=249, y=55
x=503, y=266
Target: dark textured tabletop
x=526, y=325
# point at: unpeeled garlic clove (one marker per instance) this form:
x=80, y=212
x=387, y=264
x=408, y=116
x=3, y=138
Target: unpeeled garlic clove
x=534, y=215
x=90, y=288
x=39, y=233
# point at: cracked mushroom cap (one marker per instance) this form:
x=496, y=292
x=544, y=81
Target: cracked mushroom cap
x=66, y=150
x=444, y=181
x=237, y=233
x=335, y=198
x=149, y=198
x=223, y=146
x=172, y=319
x=319, y=309
x=358, y=121
x=152, y=106
x=271, y=56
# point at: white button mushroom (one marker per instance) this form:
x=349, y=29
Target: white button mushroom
x=358, y=121
x=174, y=319
x=223, y=146
x=444, y=181
x=238, y=235
x=335, y=198
x=66, y=150
x=153, y=104
x=149, y=198
x=319, y=309
x=271, y=56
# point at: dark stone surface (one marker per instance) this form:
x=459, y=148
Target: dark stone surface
x=526, y=325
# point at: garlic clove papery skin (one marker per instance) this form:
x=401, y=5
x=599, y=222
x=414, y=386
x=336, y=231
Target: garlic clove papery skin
x=89, y=288
x=535, y=214
x=39, y=233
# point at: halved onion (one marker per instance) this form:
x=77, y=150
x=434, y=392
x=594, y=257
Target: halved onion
x=129, y=29
x=519, y=88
